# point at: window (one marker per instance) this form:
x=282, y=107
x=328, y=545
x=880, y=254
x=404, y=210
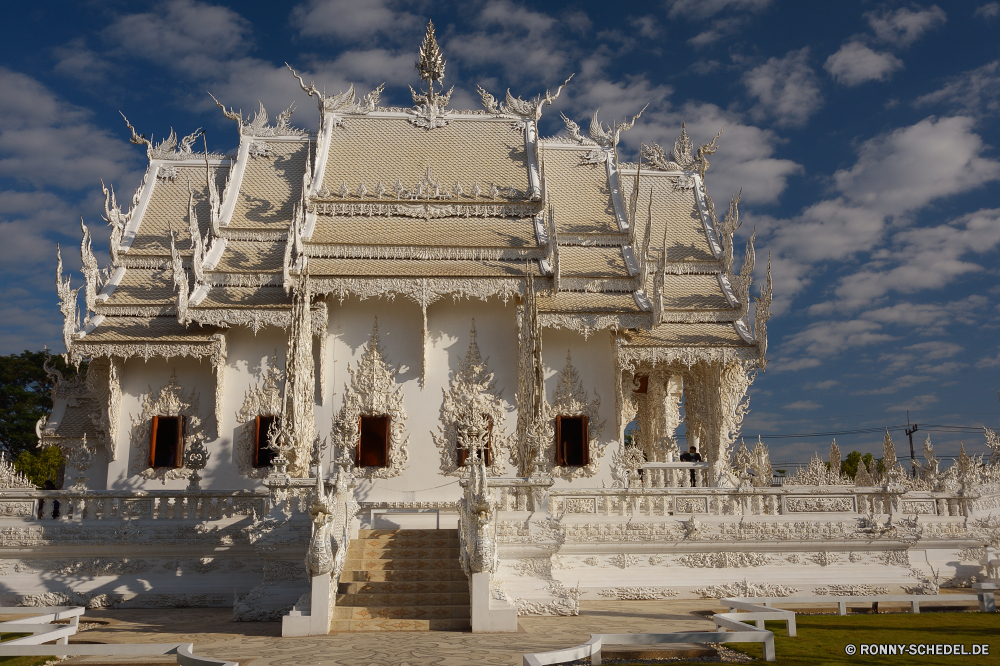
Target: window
x=166, y=441
x=572, y=444
x=462, y=454
x=373, y=444
x=641, y=384
x=262, y=455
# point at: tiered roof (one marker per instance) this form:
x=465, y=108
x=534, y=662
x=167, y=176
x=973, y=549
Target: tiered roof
x=422, y=202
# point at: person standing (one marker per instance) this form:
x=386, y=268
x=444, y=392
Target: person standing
x=691, y=455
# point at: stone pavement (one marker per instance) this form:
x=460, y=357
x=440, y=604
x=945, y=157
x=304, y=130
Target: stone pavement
x=214, y=634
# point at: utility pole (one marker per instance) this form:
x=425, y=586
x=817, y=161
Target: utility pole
x=909, y=433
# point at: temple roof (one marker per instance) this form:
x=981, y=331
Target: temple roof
x=376, y=199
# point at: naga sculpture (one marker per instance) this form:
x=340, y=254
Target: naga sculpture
x=477, y=509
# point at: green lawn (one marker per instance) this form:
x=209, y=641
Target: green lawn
x=20, y=661
x=822, y=638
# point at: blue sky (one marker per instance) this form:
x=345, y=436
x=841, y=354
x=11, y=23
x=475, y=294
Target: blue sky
x=864, y=136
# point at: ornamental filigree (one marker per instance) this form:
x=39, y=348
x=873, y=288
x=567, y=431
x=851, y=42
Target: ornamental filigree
x=373, y=391
x=571, y=399
x=258, y=125
x=605, y=136
x=261, y=400
x=682, y=157
x=171, y=400
x=515, y=106
x=429, y=105
x=472, y=393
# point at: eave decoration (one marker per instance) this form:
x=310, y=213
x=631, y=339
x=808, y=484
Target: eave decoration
x=472, y=395
x=373, y=391
x=517, y=107
x=171, y=400
x=682, y=157
x=258, y=125
x=261, y=400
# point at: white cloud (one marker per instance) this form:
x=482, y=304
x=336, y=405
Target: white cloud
x=353, y=21
x=976, y=91
x=989, y=361
x=855, y=64
x=80, y=63
x=725, y=17
x=821, y=386
x=925, y=258
x=915, y=403
x=803, y=405
x=905, y=26
x=45, y=140
x=785, y=88
x=827, y=338
x=930, y=318
x=988, y=11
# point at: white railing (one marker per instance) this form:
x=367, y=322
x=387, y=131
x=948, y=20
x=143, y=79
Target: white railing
x=675, y=475
x=70, y=505
x=40, y=631
x=985, y=597
x=740, y=632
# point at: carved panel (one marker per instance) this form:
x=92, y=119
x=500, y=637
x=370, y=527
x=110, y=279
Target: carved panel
x=919, y=506
x=473, y=387
x=373, y=391
x=580, y=505
x=26, y=509
x=261, y=400
x=171, y=400
x=137, y=508
x=571, y=399
x=818, y=504
x=690, y=505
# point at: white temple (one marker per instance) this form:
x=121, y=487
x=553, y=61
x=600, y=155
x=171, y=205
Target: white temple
x=342, y=330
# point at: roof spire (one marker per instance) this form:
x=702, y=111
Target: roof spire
x=431, y=61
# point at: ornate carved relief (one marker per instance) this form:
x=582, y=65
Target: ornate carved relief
x=171, y=400
x=571, y=399
x=261, y=400
x=373, y=391
x=472, y=389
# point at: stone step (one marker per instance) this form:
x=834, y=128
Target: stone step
x=401, y=613
x=408, y=542
x=400, y=625
x=409, y=576
x=401, y=553
x=418, y=600
x=366, y=534
x=415, y=587
x=370, y=564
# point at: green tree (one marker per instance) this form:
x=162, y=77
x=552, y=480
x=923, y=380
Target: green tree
x=25, y=397
x=849, y=466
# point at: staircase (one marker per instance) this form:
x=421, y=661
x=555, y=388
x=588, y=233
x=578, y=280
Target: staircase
x=403, y=580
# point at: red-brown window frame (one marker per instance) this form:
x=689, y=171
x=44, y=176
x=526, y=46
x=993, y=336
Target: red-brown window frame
x=384, y=454
x=561, y=457
x=179, y=444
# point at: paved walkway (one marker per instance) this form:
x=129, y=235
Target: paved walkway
x=214, y=634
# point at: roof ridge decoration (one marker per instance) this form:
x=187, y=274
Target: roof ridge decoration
x=180, y=280
x=116, y=219
x=67, y=302
x=681, y=157
x=94, y=277
x=169, y=148
x=515, y=106
x=343, y=103
x=258, y=125
x=605, y=137
x=429, y=106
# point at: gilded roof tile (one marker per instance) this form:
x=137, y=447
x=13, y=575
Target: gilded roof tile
x=577, y=261
x=157, y=330
x=369, y=149
x=246, y=297
x=252, y=257
x=271, y=187
x=688, y=335
x=674, y=209
x=575, y=301
x=168, y=207
x=419, y=268
x=441, y=232
x=143, y=286
x=693, y=292
x=579, y=193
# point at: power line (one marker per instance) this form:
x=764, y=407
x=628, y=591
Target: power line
x=866, y=431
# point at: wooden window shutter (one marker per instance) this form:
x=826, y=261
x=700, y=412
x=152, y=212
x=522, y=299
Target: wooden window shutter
x=179, y=455
x=152, y=441
x=560, y=445
x=585, y=443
